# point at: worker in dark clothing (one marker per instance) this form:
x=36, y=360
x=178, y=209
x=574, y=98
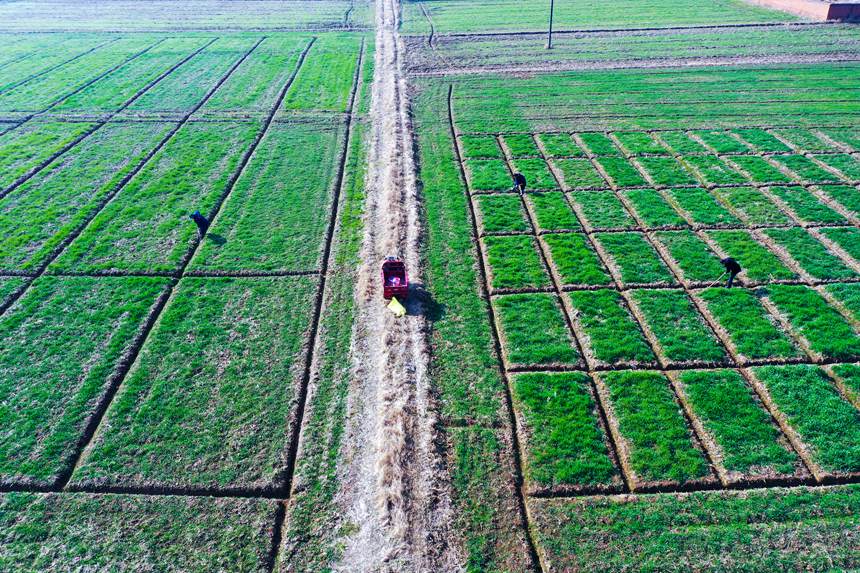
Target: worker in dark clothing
x=202, y=223
x=519, y=183
x=732, y=267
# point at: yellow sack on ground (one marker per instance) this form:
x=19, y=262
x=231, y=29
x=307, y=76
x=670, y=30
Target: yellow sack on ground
x=397, y=308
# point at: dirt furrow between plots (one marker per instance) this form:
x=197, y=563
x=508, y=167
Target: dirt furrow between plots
x=396, y=486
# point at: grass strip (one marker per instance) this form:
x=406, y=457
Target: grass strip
x=713, y=170
x=77, y=332
x=621, y=172
x=827, y=332
x=564, y=442
x=805, y=168
x=653, y=209
x=846, y=164
x=849, y=375
x=807, y=206
x=579, y=174
x=659, y=441
x=803, y=139
x=766, y=529
x=639, y=143
x=550, y=344
x=603, y=210
x=845, y=195
x=702, y=207
x=514, y=262
x=748, y=325
x=599, y=144
x=212, y=391
x=675, y=322
x=681, y=143
x=666, y=171
x=521, y=145
x=826, y=421
x=722, y=142
x=24, y=148
x=607, y=325
x=636, y=258
x=480, y=147
x=67, y=532
x=553, y=213
x=762, y=141
x=692, y=255
x=488, y=175
x=753, y=205
x=846, y=237
x=759, y=170
x=560, y=145
x=502, y=213
x=750, y=444
x=757, y=262
x=810, y=254
x=848, y=294
x=576, y=260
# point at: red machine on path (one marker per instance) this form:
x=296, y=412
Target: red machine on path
x=395, y=282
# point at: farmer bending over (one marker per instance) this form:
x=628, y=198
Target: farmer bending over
x=519, y=183
x=202, y=223
x=732, y=267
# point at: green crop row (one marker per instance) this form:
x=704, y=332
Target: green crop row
x=325, y=80
x=146, y=227
x=76, y=331
x=212, y=392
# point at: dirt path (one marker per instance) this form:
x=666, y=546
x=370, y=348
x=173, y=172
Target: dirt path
x=395, y=480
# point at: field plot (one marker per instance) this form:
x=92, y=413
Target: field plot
x=504, y=15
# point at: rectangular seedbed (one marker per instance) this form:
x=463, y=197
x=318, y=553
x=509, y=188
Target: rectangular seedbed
x=848, y=197
x=722, y=142
x=147, y=227
x=621, y=172
x=713, y=170
x=575, y=260
x=844, y=163
x=848, y=294
x=560, y=145
x=480, y=147
x=753, y=205
x=77, y=333
x=810, y=254
x=521, y=145
x=806, y=206
x=524, y=345
x=515, y=262
x=39, y=215
x=502, y=213
x=553, y=213
x=488, y=175
x=653, y=209
x=846, y=237
x=24, y=148
x=680, y=143
x=826, y=422
x=745, y=322
x=762, y=141
x=702, y=207
x=566, y=448
x=696, y=260
x=748, y=443
x=213, y=392
x=666, y=171
x=803, y=140
x=827, y=332
x=639, y=143
x=848, y=378
x=759, y=170
x=579, y=174
x=609, y=330
x=325, y=80
x=187, y=85
x=536, y=172
x=602, y=210
x=847, y=137
x=806, y=169
x=655, y=437
x=636, y=259
x=757, y=262
x=680, y=331
x=599, y=144
x=273, y=220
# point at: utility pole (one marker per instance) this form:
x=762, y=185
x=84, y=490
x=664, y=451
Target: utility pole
x=549, y=36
